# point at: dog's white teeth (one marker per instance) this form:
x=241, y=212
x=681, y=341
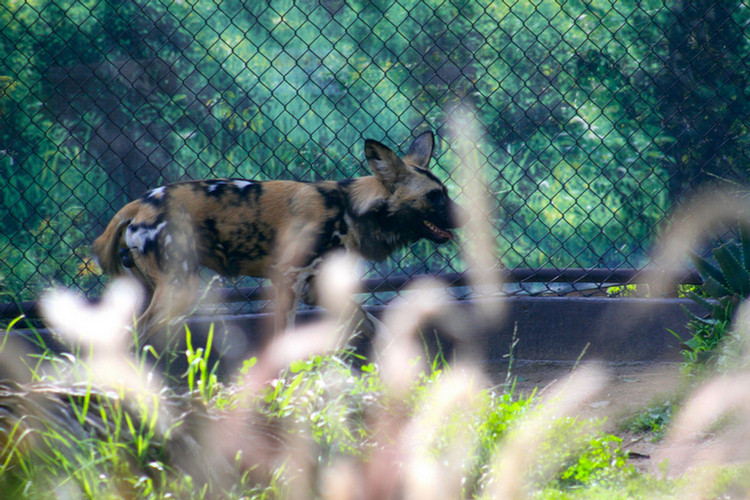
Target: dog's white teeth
x=437, y=231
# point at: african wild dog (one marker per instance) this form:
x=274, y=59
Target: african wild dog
x=274, y=229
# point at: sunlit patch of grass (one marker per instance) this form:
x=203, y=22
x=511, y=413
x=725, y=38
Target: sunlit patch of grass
x=653, y=420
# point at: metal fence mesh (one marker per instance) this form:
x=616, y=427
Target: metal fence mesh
x=597, y=116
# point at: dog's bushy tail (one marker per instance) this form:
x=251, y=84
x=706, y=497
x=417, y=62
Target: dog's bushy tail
x=106, y=247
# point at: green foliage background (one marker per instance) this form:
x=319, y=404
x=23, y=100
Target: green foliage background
x=597, y=116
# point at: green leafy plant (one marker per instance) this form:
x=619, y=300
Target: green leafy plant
x=726, y=283
x=579, y=454
x=200, y=377
x=600, y=456
x=653, y=420
x=323, y=394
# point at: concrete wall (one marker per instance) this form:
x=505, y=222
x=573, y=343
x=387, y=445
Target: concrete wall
x=546, y=328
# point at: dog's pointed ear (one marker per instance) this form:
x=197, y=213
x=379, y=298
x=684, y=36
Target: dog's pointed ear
x=384, y=163
x=420, y=151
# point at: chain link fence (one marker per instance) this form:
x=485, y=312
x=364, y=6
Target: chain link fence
x=598, y=116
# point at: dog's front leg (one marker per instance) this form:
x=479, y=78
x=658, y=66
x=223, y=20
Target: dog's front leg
x=295, y=262
x=285, y=303
x=287, y=291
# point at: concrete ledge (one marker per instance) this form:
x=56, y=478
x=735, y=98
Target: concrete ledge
x=612, y=329
x=546, y=328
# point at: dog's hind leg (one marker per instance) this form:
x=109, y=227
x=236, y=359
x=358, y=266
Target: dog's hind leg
x=167, y=259
x=169, y=301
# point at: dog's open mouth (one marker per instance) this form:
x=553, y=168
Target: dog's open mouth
x=437, y=233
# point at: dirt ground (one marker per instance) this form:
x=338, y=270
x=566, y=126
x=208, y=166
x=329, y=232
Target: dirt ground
x=629, y=389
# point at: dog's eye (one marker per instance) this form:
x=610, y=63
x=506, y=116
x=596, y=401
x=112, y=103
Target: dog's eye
x=436, y=198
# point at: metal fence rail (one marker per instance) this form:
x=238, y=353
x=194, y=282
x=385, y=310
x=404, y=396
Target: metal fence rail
x=598, y=117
